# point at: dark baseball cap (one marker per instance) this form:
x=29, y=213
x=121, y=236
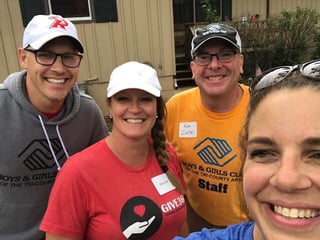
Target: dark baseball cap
x=215, y=31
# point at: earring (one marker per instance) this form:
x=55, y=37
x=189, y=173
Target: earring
x=156, y=116
x=110, y=116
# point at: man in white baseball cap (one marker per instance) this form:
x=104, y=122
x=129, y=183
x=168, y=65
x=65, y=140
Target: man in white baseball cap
x=44, y=28
x=44, y=120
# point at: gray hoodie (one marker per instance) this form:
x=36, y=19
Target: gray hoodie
x=33, y=148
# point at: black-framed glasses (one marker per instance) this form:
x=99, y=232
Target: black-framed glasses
x=277, y=74
x=203, y=59
x=47, y=58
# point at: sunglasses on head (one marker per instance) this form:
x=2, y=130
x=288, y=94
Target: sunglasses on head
x=277, y=74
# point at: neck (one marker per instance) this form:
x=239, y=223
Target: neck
x=51, y=115
x=223, y=103
x=135, y=153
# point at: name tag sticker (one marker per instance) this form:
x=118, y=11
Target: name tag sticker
x=162, y=183
x=187, y=129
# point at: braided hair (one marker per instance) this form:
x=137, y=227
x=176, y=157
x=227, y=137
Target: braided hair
x=160, y=143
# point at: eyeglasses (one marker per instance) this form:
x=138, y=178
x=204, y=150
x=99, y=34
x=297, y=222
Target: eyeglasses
x=203, y=59
x=47, y=58
x=275, y=75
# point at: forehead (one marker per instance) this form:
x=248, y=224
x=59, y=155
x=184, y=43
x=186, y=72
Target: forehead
x=215, y=44
x=287, y=113
x=133, y=91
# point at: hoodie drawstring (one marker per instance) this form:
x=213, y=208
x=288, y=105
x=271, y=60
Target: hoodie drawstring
x=49, y=143
x=61, y=141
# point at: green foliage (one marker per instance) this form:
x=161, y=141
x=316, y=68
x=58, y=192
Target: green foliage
x=210, y=13
x=296, y=32
x=287, y=39
x=316, y=52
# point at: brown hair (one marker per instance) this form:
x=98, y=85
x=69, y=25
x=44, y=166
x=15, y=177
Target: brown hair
x=160, y=143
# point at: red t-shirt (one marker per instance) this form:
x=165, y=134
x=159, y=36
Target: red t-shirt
x=96, y=196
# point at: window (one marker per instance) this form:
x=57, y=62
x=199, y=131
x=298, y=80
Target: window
x=83, y=10
x=187, y=11
x=74, y=10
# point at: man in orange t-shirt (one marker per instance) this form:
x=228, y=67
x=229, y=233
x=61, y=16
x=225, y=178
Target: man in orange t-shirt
x=204, y=123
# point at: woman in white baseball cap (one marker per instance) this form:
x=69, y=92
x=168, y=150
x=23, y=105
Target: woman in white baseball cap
x=129, y=185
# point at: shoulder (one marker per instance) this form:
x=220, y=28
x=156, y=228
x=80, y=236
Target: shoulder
x=245, y=97
x=184, y=94
x=86, y=159
x=86, y=97
x=245, y=88
x=237, y=231
x=89, y=153
x=77, y=92
x=180, y=99
x=88, y=102
x=242, y=230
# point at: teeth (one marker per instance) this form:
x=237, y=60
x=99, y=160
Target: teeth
x=296, y=213
x=53, y=80
x=134, y=120
x=215, y=78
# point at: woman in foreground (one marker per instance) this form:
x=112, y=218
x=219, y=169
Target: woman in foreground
x=281, y=145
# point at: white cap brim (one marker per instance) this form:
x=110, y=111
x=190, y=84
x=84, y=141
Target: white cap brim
x=46, y=38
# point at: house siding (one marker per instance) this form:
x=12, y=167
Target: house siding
x=144, y=32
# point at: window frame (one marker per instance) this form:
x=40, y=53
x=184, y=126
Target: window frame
x=102, y=11
x=84, y=18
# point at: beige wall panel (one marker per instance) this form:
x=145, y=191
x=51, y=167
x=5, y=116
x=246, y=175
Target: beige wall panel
x=142, y=29
x=127, y=31
x=10, y=36
x=4, y=67
x=155, y=19
x=90, y=64
x=168, y=91
x=101, y=51
x=167, y=87
x=98, y=92
x=247, y=8
x=277, y=6
x=144, y=33
x=167, y=37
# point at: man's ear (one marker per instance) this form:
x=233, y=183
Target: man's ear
x=191, y=67
x=241, y=63
x=22, y=57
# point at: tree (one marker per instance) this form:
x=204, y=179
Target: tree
x=210, y=13
x=286, y=39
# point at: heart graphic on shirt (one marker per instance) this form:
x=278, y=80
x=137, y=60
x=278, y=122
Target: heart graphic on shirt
x=139, y=210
